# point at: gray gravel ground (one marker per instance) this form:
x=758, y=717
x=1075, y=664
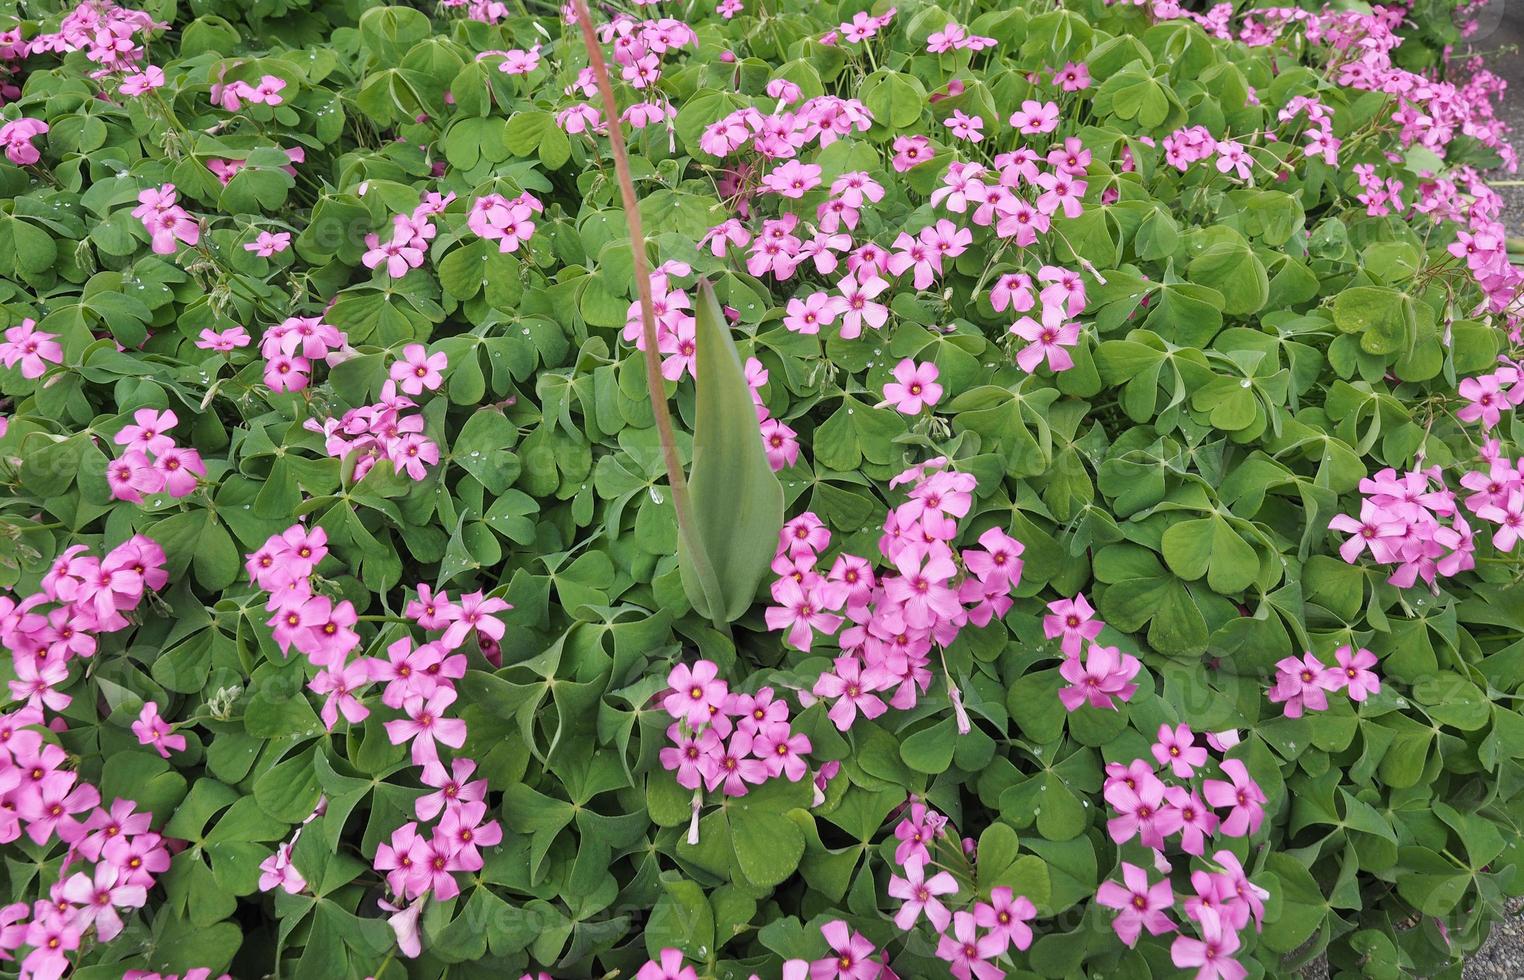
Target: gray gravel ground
x=1501, y=36
x=1502, y=958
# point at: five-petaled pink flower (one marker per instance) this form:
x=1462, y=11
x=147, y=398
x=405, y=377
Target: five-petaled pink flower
x=914, y=387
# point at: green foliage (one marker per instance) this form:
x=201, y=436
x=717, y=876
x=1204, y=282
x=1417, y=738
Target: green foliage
x=1250, y=353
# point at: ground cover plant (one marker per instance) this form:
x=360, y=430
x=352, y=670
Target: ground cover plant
x=983, y=489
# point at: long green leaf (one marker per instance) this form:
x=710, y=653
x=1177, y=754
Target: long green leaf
x=737, y=501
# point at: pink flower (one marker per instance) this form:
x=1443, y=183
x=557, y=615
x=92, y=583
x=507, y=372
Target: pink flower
x=268, y=243
x=968, y=953
x=919, y=895
x=1105, y=675
x=1141, y=905
x=33, y=349
x=697, y=692
x=425, y=725
x=815, y=310
x=781, y=752
x=1048, y=340
x=180, y=466
x=914, y=387
x=800, y=611
x=450, y=786
x=1212, y=953
x=277, y=871
x=1197, y=821
x=853, y=955
x=1177, y=749
x=147, y=80
x=17, y=135
x=1141, y=810
x=417, y=369
x=224, y=341
x=692, y=756
x=1014, y=290
x=1231, y=156
x=1302, y=684
x=398, y=255
x=1072, y=77
x=153, y=730
x=780, y=443
x=99, y=898
x=792, y=179
x=1074, y=620
x=915, y=832
x=1242, y=794
x=131, y=475
x=1372, y=532
x=965, y=127
x=859, y=308
x=670, y=967
x=853, y=690
x=909, y=152
x=1006, y=916
x=1035, y=117
x=1509, y=517
x=149, y=431
x=1354, y=673
x=341, y=683
x=736, y=767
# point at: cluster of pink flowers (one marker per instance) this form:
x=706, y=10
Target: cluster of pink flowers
x=116, y=855
x=726, y=741
x=779, y=440
x=106, y=33
x=1489, y=395
x=17, y=135
x=293, y=346
x=783, y=134
x=1105, y=675
x=1304, y=683
x=1412, y=521
x=150, y=461
x=510, y=223
x=87, y=596
x=638, y=48
x=232, y=95
x=384, y=430
x=1428, y=112
x=419, y=684
x=896, y=617
x=33, y=349
x=1152, y=810
x=1222, y=902
x=676, y=327
x=165, y=220
x=410, y=237
x=862, y=27
x=1059, y=298
x=954, y=37
x=968, y=938
x=853, y=957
